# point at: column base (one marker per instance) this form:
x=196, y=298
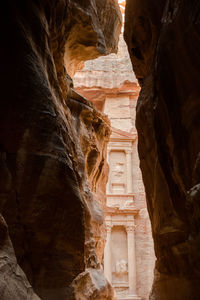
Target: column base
x=128, y=297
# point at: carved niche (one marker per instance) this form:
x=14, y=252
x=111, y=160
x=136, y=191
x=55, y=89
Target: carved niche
x=117, y=175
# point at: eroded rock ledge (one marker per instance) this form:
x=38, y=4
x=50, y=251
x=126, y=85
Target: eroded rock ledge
x=164, y=44
x=53, y=145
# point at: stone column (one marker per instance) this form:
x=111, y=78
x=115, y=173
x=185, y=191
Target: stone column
x=107, y=255
x=129, y=188
x=131, y=259
x=108, y=190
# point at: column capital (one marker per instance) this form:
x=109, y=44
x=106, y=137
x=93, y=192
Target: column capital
x=130, y=228
x=128, y=151
x=108, y=228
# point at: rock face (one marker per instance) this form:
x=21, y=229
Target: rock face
x=108, y=72
x=52, y=144
x=93, y=28
x=164, y=44
x=13, y=281
x=91, y=285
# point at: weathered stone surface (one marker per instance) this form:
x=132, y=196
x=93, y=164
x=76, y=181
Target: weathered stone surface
x=14, y=284
x=108, y=72
x=45, y=192
x=91, y=131
x=93, y=30
x=164, y=43
x=91, y=285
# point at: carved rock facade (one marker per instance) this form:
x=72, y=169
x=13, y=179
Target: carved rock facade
x=164, y=43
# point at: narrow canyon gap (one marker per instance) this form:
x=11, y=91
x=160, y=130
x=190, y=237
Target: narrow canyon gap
x=128, y=262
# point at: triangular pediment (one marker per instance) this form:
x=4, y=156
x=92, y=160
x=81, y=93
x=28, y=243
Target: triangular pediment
x=120, y=134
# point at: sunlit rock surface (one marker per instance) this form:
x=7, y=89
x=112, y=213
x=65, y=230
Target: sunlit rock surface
x=93, y=30
x=164, y=43
x=91, y=285
x=47, y=173
x=108, y=72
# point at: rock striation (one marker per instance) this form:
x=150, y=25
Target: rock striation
x=164, y=43
x=53, y=145
x=92, y=30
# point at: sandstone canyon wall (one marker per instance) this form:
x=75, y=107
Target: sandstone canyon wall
x=163, y=38
x=53, y=145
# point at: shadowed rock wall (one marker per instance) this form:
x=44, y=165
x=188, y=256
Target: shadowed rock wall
x=47, y=133
x=164, y=44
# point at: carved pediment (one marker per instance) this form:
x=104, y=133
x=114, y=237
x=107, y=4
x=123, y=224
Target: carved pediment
x=118, y=134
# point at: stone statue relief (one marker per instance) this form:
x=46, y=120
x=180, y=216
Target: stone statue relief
x=121, y=267
x=118, y=172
